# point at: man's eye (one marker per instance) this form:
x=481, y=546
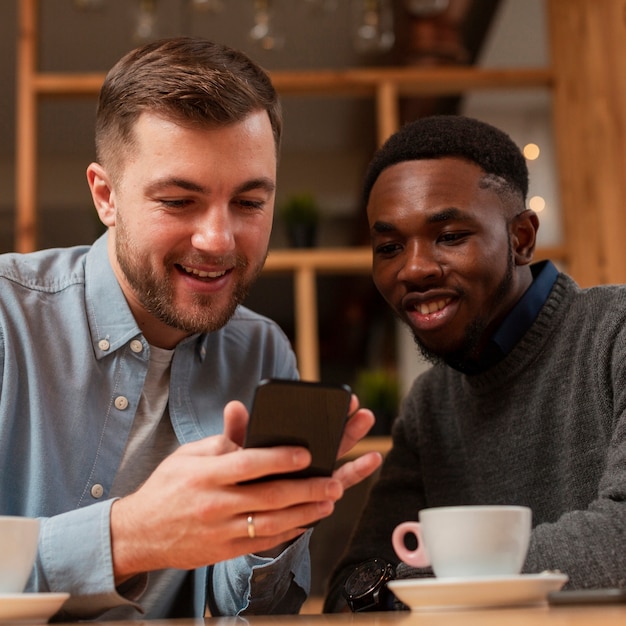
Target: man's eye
x=250, y=204
x=452, y=237
x=386, y=248
x=178, y=203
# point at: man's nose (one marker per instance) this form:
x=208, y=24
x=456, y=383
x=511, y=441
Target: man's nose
x=421, y=264
x=214, y=231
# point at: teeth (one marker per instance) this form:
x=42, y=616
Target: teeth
x=432, y=307
x=201, y=274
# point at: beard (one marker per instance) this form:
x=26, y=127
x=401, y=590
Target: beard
x=157, y=295
x=474, y=339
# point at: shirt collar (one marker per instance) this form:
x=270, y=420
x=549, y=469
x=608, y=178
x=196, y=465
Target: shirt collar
x=110, y=317
x=518, y=320
x=524, y=313
x=111, y=321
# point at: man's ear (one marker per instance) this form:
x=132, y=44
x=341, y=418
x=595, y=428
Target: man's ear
x=102, y=193
x=524, y=227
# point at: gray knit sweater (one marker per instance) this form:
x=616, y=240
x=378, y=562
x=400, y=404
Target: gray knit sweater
x=546, y=428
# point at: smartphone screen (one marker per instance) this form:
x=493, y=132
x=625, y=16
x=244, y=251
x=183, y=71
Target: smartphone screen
x=300, y=413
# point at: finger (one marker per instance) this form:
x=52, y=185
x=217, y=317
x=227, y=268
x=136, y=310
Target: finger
x=235, y=421
x=353, y=472
x=283, y=494
x=244, y=465
x=264, y=545
x=208, y=447
x=356, y=428
x=276, y=525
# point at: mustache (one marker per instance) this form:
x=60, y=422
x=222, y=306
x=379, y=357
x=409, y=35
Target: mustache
x=236, y=261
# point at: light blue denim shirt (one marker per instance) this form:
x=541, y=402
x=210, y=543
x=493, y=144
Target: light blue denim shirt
x=72, y=367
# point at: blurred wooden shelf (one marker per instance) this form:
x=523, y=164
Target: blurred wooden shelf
x=353, y=259
x=380, y=444
x=365, y=82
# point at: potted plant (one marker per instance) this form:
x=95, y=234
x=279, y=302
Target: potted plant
x=379, y=390
x=301, y=216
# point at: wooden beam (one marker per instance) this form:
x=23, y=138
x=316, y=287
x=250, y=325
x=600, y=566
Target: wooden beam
x=588, y=39
x=26, y=130
x=350, y=82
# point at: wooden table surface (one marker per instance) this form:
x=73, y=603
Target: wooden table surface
x=602, y=615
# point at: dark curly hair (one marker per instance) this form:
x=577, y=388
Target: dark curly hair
x=452, y=136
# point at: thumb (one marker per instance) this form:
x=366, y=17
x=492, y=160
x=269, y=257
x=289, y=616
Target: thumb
x=235, y=421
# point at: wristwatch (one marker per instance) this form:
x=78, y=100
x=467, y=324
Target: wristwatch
x=366, y=587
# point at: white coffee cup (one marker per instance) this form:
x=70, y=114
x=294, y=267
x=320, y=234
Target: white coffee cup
x=467, y=541
x=18, y=549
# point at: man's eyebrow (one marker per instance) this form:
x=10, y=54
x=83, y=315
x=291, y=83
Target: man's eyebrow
x=263, y=183
x=182, y=183
x=446, y=215
x=440, y=216
x=383, y=227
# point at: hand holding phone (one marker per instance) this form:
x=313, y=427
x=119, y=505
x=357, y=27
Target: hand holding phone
x=300, y=413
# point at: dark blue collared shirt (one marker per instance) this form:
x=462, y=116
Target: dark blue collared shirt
x=519, y=319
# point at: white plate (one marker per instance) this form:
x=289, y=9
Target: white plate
x=30, y=608
x=462, y=593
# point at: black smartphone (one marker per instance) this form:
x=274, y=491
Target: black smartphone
x=587, y=596
x=300, y=413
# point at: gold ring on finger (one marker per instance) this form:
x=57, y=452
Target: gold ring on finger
x=251, y=527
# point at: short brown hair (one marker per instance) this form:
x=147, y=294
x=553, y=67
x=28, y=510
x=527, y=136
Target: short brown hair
x=192, y=81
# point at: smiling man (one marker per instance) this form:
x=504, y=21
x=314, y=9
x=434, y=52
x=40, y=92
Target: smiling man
x=452, y=256
x=526, y=400
x=189, y=220
x=127, y=367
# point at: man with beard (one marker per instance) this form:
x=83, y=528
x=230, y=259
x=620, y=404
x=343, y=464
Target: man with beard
x=127, y=367
x=525, y=402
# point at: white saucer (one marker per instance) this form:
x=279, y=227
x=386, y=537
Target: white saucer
x=30, y=608
x=462, y=593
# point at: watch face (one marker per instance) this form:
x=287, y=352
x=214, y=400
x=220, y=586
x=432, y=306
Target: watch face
x=365, y=577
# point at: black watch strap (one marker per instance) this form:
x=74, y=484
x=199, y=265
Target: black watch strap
x=366, y=587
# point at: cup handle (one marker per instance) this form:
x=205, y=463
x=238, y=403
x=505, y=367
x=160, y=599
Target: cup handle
x=417, y=557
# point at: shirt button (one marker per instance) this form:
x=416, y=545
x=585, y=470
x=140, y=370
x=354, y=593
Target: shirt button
x=136, y=345
x=97, y=491
x=121, y=403
x=104, y=344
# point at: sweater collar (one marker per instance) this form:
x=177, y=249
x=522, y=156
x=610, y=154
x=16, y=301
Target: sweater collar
x=519, y=319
